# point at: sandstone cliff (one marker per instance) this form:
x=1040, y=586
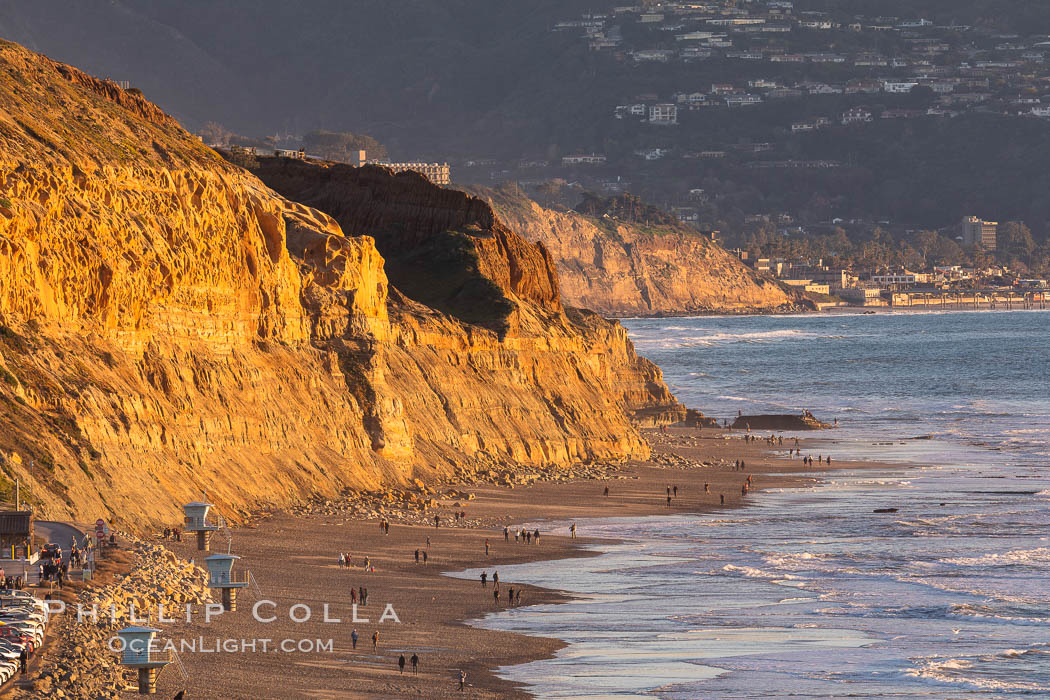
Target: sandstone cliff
x=621, y=269
x=169, y=324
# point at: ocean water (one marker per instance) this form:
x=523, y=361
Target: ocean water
x=807, y=592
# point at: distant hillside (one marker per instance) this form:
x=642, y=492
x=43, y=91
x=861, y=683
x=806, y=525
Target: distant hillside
x=493, y=83
x=421, y=75
x=627, y=269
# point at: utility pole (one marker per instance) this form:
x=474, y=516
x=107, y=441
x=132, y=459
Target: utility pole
x=18, y=496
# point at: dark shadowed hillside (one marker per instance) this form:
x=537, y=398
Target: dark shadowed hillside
x=411, y=71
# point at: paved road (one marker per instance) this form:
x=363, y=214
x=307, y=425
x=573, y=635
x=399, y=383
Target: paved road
x=59, y=533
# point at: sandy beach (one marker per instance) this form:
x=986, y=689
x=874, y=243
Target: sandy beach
x=294, y=560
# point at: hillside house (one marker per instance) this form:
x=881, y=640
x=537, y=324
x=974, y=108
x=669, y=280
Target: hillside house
x=663, y=114
x=857, y=115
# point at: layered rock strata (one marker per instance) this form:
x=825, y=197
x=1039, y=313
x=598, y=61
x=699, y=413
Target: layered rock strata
x=170, y=325
x=622, y=269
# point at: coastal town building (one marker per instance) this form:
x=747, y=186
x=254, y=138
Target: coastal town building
x=976, y=232
x=583, y=159
x=665, y=114
x=437, y=173
x=862, y=295
x=898, y=280
x=858, y=115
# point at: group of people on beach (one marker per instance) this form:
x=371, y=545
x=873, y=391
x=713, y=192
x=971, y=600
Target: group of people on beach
x=359, y=596
x=173, y=534
x=513, y=597
x=510, y=595
x=346, y=561
x=523, y=536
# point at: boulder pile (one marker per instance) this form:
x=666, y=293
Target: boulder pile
x=83, y=666
x=157, y=578
x=418, y=504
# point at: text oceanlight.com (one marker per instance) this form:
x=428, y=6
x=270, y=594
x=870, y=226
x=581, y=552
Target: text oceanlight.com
x=216, y=645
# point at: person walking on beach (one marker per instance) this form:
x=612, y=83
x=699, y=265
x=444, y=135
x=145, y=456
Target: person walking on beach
x=462, y=679
x=606, y=491
x=829, y=460
x=353, y=596
x=495, y=579
x=572, y=531
x=342, y=561
x=353, y=637
x=415, y=662
x=506, y=534
x=495, y=596
x=668, y=500
x=675, y=489
x=486, y=548
x=436, y=521
x=722, y=498
x=417, y=555
x=375, y=641
x=510, y=596
x=401, y=663
x=424, y=557
x=528, y=537
x=536, y=536
x=516, y=533
x=484, y=578
x=707, y=487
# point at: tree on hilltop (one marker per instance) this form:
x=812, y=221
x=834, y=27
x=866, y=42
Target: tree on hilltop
x=342, y=146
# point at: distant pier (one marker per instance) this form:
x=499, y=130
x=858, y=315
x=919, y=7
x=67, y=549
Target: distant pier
x=977, y=299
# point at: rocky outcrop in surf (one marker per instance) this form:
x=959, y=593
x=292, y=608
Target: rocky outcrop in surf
x=779, y=421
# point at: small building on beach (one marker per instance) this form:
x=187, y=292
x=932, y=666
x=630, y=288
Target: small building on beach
x=16, y=531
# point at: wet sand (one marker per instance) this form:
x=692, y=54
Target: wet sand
x=294, y=561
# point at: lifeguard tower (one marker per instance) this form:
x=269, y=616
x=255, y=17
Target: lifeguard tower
x=222, y=576
x=136, y=653
x=197, y=521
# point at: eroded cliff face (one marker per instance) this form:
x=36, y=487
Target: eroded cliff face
x=169, y=324
x=443, y=247
x=622, y=270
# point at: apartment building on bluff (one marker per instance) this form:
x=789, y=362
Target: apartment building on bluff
x=978, y=232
